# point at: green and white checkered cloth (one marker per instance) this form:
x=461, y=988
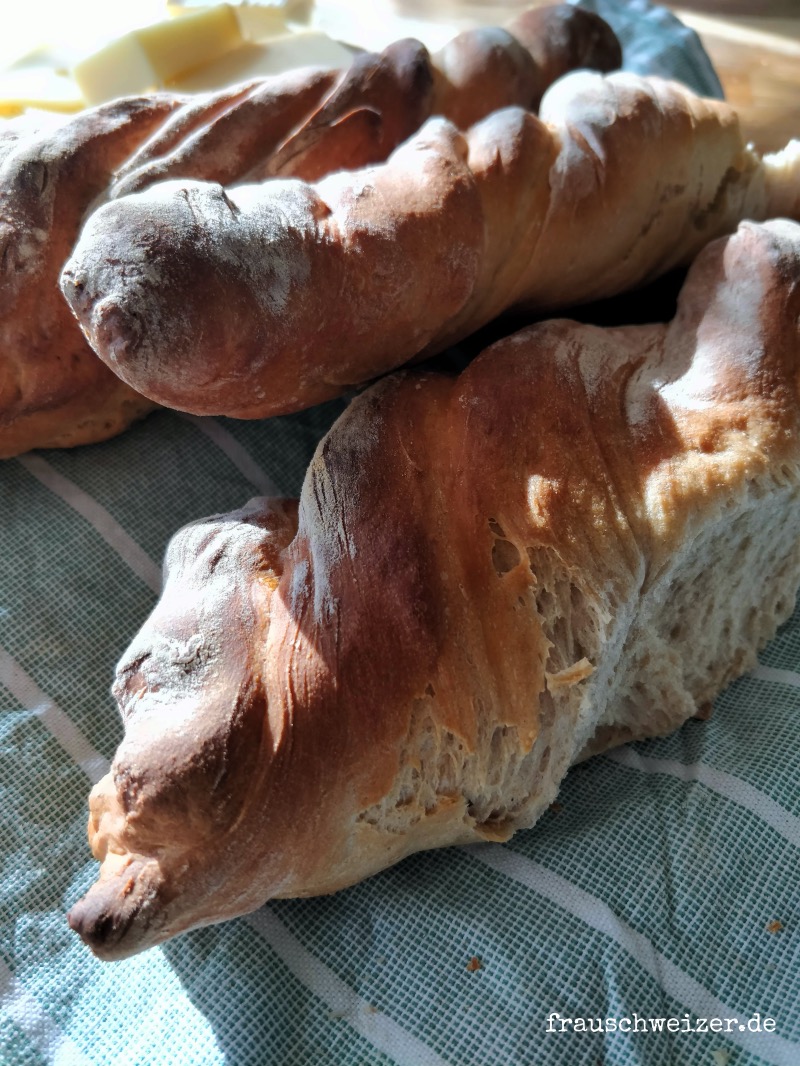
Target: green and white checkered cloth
x=651, y=893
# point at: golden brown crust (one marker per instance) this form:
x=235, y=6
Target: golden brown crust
x=336, y=282
x=577, y=541
x=561, y=38
x=312, y=122
x=227, y=136
x=54, y=392
x=53, y=389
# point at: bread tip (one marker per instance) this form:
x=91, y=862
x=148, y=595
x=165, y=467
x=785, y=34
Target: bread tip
x=100, y=929
x=116, y=917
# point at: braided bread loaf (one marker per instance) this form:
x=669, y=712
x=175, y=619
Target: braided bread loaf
x=313, y=122
x=53, y=390
x=578, y=541
x=264, y=299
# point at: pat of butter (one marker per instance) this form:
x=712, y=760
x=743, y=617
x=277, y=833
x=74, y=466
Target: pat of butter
x=149, y=58
x=306, y=48
x=39, y=88
x=257, y=18
x=257, y=21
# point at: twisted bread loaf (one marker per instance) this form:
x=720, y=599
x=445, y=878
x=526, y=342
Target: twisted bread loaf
x=268, y=298
x=313, y=122
x=577, y=542
x=53, y=389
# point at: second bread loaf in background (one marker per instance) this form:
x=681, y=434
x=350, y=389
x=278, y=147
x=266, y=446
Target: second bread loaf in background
x=264, y=299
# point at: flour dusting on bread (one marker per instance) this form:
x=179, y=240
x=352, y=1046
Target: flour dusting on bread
x=342, y=279
x=488, y=578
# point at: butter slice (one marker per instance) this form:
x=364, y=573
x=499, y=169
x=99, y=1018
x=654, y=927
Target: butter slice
x=40, y=80
x=306, y=48
x=258, y=19
x=149, y=58
x=258, y=22
x=40, y=88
